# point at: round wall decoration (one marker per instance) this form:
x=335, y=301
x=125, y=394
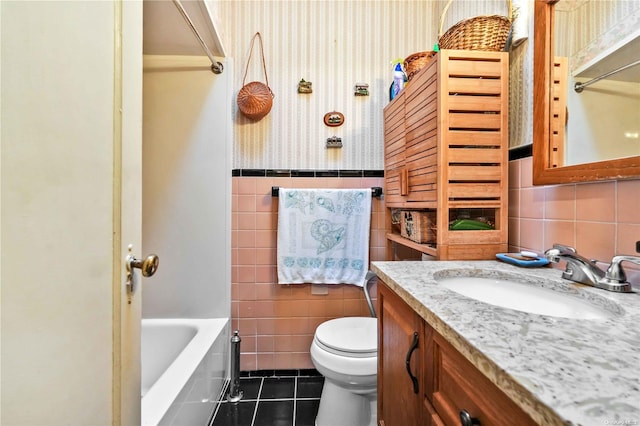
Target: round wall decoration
x=334, y=119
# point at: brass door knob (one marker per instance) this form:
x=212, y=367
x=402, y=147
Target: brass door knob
x=148, y=266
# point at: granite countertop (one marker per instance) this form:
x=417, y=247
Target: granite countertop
x=559, y=370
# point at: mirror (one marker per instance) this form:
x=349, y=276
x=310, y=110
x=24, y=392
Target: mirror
x=552, y=111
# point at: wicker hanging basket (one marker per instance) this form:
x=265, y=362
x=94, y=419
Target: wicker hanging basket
x=488, y=33
x=415, y=62
x=255, y=99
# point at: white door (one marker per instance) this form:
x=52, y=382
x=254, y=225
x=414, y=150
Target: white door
x=127, y=385
x=71, y=120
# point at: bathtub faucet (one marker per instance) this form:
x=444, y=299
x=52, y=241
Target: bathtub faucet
x=585, y=271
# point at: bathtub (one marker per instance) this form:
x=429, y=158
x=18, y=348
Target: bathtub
x=184, y=366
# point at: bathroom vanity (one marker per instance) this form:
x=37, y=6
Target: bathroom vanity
x=442, y=354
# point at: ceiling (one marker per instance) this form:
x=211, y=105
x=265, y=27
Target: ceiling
x=166, y=32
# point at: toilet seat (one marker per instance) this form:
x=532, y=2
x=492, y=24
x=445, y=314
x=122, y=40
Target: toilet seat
x=355, y=337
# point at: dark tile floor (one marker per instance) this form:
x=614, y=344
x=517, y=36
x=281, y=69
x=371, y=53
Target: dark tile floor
x=273, y=398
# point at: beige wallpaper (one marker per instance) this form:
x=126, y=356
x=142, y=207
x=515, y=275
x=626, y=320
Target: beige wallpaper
x=335, y=44
x=585, y=28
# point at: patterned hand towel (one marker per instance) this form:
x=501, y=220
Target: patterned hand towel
x=323, y=236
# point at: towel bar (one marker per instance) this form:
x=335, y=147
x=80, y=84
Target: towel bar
x=376, y=191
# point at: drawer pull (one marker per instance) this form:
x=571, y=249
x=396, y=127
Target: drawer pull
x=413, y=347
x=467, y=420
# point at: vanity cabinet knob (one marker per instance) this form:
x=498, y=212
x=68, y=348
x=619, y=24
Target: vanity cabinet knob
x=467, y=420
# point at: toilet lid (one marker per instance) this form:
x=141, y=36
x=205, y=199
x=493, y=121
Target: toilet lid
x=357, y=335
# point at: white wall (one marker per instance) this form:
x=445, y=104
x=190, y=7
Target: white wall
x=187, y=187
x=586, y=28
x=600, y=118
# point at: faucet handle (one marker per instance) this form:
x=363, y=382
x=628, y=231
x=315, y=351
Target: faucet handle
x=615, y=272
x=553, y=254
x=564, y=248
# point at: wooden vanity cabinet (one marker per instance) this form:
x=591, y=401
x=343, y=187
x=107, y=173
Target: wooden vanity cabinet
x=399, y=336
x=447, y=382
x=453, y=384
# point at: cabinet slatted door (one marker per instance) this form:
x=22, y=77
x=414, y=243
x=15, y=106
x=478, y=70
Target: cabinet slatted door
x=394, y=149
x=421, y=137
x=473, y=102
x=398, y=404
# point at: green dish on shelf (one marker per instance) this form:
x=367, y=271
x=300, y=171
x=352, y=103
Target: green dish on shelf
x=469, y=225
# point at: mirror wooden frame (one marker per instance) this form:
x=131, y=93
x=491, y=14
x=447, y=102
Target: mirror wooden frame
x=543, y=174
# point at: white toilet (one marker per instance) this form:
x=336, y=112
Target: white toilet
x=345, y=352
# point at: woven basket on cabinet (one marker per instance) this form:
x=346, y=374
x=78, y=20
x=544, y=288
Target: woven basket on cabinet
x=415, y=62
x=488, y=33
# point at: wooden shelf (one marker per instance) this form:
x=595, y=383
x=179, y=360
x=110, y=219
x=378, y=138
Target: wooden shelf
x=412, y=205
x=475, y=204
x=423, y=248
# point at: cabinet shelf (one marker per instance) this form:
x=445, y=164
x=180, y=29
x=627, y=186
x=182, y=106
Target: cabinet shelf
x=474, y=204
x=423, y=248
x=413, y=205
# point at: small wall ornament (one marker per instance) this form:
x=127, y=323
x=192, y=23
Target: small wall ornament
x=304, y=86
x=361, y=89
x=334, y=119
x=334, y=142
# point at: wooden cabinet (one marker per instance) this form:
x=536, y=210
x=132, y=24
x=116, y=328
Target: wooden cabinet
x=399, y=361
x=446, y=150
x=453, y=384
x=447, y=382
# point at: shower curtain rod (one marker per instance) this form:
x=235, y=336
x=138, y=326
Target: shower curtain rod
x=376, y=191
x=216, y=67
x=579, y=87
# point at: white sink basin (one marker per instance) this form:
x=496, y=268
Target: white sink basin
x=524, y=297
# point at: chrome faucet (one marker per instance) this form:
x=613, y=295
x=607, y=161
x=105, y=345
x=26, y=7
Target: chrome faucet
x=585, y=271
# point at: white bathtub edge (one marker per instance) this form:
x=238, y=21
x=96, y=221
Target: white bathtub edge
x=172, y=381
